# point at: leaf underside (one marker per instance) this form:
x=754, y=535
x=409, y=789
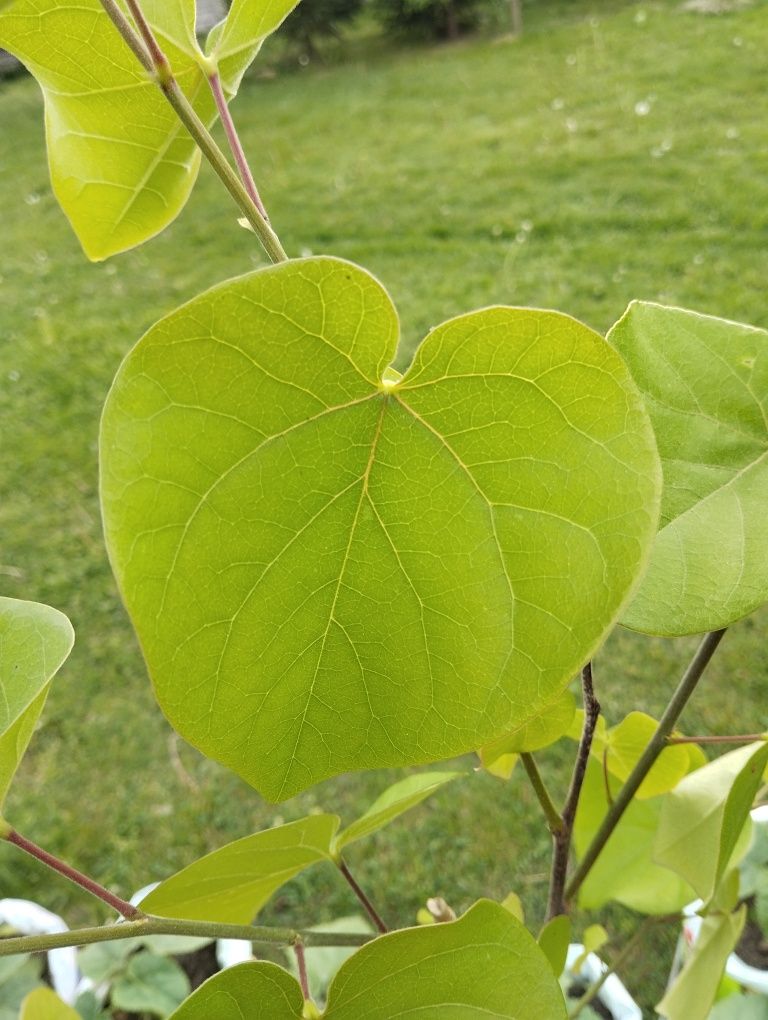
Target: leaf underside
x=328, y=572
x=705, y=382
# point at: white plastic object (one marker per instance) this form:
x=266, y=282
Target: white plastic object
x=613, y=994
x=29, y=918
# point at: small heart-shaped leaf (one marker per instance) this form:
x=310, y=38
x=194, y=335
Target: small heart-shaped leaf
x=44, y=1004
x=332, y=570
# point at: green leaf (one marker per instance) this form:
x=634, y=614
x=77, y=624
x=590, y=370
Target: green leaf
x=543, y=730
x=399, y=798
x=761, y=900
x=593, y=940
x=234, y=43
x=233, y=884
x=102, y=960
x=249, y=991
x=693, y=992
x=485, y=964
x=328, y=571
x=554, y=939
x=122, y=165
x=741, y=1007
x=43, y=1004
x=514, y=905
x=705, y=381
x=150, y=984
x=708, y=811
x=17, y=986
x=625, y=745
x=34, y=642
x=625, y=871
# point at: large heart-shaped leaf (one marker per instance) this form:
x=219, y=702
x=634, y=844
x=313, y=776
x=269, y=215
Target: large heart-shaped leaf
x=122, y=165
x=486, y=964
x=233, y=884
x=330, y=570
x=34, y=642
x=705, y=381
x=250, y=991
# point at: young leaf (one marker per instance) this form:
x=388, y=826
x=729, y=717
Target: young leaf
x=234, y=43
x=328, y=571
x=233, y=884
x=625, y=871
x=399, y=798
x=122, y=165
x=625, y=745
x=44, y=1004
x=514, y=905
x=256, y=991
x=705, y=381
x=485, y=964
x=554, y=939
x=543, y=730
x=708, y=810
x=34, y=642
x=150, y=984
x=593, y=939
x=693, y=993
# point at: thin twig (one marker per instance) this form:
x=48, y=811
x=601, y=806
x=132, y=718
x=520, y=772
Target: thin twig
x=122, y=906
x=656, y=745
x=562, y=839
x=234, y=142
x=301, y=964
x=194, y=125
x=166, y=926
x=554, y=821
x=370, y=910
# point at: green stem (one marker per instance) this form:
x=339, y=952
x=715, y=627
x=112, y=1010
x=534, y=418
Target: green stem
x=152, y=58
x=163, y=926
x=656, y=745
x=739, y=738
x=127, y=910
x=554, y=821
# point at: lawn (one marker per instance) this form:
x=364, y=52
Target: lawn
x=611, y=153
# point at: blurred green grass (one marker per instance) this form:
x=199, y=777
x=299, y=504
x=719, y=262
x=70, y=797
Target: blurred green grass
x=614, y=152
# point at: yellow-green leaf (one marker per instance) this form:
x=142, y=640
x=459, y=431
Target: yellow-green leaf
x=250, y=991
x=122, y=165
x=232, y=884
x=554, y=939
x=34, y=642
x=399, y=798
x=704, y=816
x=44, y=1004
x=328, y=571
x=625, y=745
x=543, y=730
x=484, y=965
x=694, y=990
x=705, y=381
